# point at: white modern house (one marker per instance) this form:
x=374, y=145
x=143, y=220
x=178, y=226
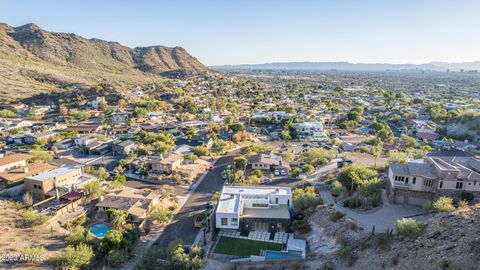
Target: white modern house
x=253, y=208
x=310, y=129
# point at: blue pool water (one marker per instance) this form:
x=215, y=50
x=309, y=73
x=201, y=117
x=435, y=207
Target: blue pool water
x=99, y=230
x=278, y=255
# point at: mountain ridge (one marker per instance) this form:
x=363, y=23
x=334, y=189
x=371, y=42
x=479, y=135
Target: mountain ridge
x=348, y=66
x=32, y=57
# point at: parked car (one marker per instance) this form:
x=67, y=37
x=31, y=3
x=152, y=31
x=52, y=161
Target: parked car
x=283, y=172
x=276, y=173
x=265, y=181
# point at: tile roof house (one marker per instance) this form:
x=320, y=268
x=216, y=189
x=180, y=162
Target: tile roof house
x=419, y=181
x=13, y=160
x=136, y=202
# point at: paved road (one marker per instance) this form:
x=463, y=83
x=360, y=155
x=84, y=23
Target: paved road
x=181, y=226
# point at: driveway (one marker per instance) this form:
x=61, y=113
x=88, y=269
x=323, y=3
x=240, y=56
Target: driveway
x=383, y=218
x=182, y=224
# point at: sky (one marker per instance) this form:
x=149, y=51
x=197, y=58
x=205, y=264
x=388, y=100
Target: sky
x=262, y=31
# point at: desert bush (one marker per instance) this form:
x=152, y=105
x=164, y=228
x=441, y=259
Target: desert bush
x=336, y=216
x=337, y=188
x=352, y=202
x=444, y=204
x=467, y=196
x=301, y=226
x=305, y=199
x=408, y=227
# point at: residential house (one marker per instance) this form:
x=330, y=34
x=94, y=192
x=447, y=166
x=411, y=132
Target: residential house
x=57, y=182
x=65, y=144
x=13, y=161
x=253, y=208
x=268, y=162
x=167, y=164
x=135, y=202
x=33, y=138
x=85, y=127
x=17, y=175
x=420, y=181
x=124, y=147
x=311, y=129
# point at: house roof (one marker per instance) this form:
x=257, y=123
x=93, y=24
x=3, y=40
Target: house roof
x=29, y=170
x=54, y=173
x=280, y=212
x=171, y=158
x=12, y=158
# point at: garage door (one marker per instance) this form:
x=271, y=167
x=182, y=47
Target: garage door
x=399, y=199
x=417, y=201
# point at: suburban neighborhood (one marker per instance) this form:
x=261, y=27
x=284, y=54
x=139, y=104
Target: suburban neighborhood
x=325, y=135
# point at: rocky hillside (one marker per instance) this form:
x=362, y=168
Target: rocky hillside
x=34, y=60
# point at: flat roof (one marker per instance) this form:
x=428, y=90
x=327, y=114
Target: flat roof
x=257, y=190
x=228, y=203
x=54, y=173
x=280, y=212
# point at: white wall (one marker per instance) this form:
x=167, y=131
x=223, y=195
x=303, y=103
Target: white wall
x=228, y=216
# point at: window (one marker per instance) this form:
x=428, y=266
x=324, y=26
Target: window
x=224, y=221
x=414, y=180
x=276, y=200
x=459, y=185
x=234, y=222
x=259, y=205
x=428, y=183
x=441, y=184
x=406, y=180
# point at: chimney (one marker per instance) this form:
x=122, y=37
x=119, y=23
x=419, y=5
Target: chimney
x=25, y=169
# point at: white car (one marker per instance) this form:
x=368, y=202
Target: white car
x=283, y=172
x=277, y=172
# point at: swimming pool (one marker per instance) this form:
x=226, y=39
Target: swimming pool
x=99, y=230
x=279, y=255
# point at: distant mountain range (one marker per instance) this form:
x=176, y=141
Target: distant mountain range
x=346, y=66
x=34, y=60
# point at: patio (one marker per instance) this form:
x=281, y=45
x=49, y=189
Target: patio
x=279, y=237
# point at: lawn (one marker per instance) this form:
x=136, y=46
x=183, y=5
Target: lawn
x=242, y=247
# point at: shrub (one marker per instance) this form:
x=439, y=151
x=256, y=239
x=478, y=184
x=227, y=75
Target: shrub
x=120, y=179
x=301, y=226
x=375, y=199
x=444, y=204
x=161, y=214
x=408, y=227
x=467, y=196
x=201, y=151
x=32, y=218
x=336, y=216
x=304, y=199
x=75, y=257
x=337, y=188
x=352, y=202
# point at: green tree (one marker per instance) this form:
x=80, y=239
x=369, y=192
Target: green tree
x=94, y=189
x=120, y=179
x=354, y=175
x=118, y=217
x=201, y=151
x=75, y=257
x=317, y=156
x=240, y=163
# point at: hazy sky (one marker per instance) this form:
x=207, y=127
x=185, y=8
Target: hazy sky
x=258, y=31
